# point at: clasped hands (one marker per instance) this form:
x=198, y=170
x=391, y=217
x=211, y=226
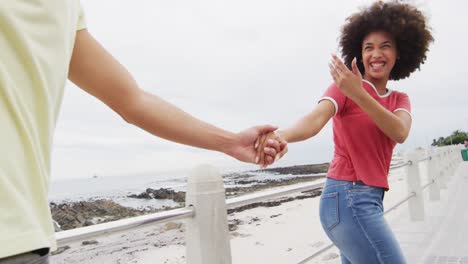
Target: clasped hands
x=269, y=147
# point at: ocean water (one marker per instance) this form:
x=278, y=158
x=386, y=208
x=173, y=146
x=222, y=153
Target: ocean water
x=116, y=188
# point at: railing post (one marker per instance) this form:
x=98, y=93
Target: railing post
x=416, y=204
x=441, y=174
x=450, y=161
x=446, y=165
x=434, y=188
x=455, y=155
x=207, y=234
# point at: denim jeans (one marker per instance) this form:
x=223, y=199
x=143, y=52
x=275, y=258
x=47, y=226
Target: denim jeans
x=351, y=214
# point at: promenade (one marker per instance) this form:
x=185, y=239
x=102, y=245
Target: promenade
x=442, y=237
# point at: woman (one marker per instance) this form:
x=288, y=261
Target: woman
x=385, y=41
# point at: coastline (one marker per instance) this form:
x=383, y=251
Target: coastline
x=131, y=246
x=166, y=243
x=287, y=232
x=79, y=213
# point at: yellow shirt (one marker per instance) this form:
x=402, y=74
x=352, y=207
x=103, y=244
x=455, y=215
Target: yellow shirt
x=36, y=44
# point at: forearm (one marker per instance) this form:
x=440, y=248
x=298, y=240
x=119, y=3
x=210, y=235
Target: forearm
x=165, y=120
x=389, y=123
x=94, y=70
x=311, y=124
x=300, y=131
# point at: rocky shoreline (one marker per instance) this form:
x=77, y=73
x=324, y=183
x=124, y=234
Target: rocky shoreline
x=85, y=213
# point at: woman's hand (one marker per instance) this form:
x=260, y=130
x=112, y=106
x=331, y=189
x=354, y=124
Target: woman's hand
x=268, y=144
x=349, y=82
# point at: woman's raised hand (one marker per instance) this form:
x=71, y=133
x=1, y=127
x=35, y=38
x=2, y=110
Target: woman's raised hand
x=349, y=82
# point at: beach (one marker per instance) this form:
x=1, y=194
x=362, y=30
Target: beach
x=256, y=233
x=287, y=233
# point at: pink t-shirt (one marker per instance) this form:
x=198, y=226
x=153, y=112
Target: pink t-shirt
x=362, y=151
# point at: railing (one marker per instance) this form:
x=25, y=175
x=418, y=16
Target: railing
x=83, y=233
x=207, y=235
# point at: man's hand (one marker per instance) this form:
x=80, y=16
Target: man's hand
x=243, y=148
x=267, y=145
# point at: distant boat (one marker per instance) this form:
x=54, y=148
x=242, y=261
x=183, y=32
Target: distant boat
x=94, y=176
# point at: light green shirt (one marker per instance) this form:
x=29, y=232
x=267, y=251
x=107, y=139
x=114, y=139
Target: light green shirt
x=36, y=44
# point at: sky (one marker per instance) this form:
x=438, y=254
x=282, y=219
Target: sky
x=237, y=64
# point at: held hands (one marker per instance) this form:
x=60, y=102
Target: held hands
x=246, y=144
x=349, y=82
x=270, y=148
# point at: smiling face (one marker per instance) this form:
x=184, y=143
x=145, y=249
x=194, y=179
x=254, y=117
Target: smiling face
x=379, y=54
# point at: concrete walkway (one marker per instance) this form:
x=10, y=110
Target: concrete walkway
x=443, y=235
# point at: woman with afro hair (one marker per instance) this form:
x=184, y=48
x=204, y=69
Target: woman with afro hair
x=384, y=41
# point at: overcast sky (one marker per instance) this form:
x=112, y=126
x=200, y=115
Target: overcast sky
x=237, y=64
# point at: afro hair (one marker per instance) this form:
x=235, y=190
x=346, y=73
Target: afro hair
x=405, y=23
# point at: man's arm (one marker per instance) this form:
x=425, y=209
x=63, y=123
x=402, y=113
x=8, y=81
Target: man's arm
x=94, y=70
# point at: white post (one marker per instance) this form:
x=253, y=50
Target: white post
x=207, y=234
x=434, y=188
x=454, y=160
x=416, y=204
x=454, y=157
x=459, y=155
x=442, y=174
x=450, y=161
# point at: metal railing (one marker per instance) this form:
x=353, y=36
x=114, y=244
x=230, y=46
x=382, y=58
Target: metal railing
x=83, y=233
x=205, y=194
x=271, y=194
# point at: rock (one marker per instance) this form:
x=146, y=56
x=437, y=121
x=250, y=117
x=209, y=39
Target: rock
x=233, y=224
x=300, y=169
x=89, y=242
x=60, y=250
x=80, y=218
x=172, y=225
x=266, y=184
x=161, y=193
x=244, y=182
x=232, y=227
x=89, y=223
x=85, y=213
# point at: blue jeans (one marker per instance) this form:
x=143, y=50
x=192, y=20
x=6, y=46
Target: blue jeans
x=351, y=214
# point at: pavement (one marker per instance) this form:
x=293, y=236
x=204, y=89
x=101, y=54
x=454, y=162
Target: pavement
x=442, y=237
